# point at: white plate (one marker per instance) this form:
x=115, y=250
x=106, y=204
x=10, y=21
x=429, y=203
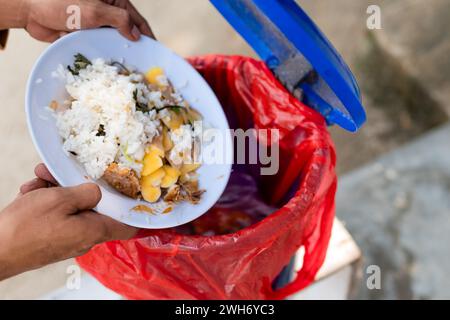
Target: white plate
x=146, y=53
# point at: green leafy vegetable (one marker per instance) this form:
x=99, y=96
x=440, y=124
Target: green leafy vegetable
x=177, y=109
x=81, y=62
x=139, y=105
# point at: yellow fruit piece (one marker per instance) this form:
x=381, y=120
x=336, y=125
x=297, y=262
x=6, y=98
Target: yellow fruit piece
x=168, y=181
x=174, y=121
x=184, y=178
x=156, y=148
x=152, y=75
x=152, y=162
x=151, y=194
x=171, y=176
x=189, y=167
x=154, y=179
x=171, y=171
x=167, y=142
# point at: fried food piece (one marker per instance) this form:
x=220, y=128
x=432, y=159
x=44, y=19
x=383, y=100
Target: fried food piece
x=185, y=192
x=123, y=180
x=191, y=191
x=173, y=194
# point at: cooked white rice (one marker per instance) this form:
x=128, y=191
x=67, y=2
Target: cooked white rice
x=102, y=96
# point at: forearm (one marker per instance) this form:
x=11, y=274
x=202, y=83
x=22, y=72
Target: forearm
x=19, y=250
x=13, y=13
x=14, y=263
x=7, y=268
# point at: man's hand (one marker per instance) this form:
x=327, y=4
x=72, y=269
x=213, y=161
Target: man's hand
x=46, y=20
x=47, y=223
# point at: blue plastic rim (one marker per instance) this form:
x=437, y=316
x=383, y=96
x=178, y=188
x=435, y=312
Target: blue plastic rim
x=281, y=32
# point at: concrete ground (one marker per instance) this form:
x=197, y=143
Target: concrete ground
x=397, y=209
x=393, y=94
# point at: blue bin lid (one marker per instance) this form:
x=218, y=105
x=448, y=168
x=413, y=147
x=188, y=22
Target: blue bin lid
x=300, y=55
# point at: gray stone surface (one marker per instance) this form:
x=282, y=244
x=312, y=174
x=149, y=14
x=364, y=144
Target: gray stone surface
x=398, y=210
x=415, y=33
x=338, y=20
x=399, y=107
x=403, y=67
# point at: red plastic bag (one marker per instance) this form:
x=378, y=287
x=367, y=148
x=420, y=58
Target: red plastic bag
x=170, y=264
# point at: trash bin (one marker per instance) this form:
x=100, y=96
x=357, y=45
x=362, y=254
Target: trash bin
x=238, y=248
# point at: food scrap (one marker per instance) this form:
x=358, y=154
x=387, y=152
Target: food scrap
x=135, y=131
x=142, y=208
